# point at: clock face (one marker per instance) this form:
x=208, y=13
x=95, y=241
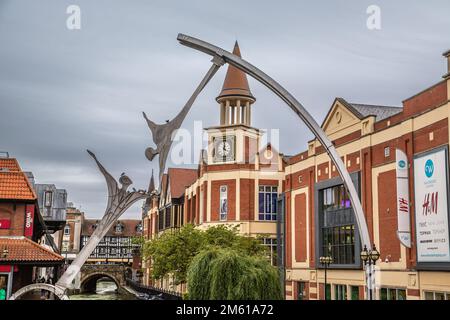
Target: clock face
x=224, y=148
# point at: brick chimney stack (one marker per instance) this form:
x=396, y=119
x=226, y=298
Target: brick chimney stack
x=447, y=75
x=447, y=55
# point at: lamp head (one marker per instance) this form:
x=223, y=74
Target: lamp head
x=374, y=254
x=364, y=254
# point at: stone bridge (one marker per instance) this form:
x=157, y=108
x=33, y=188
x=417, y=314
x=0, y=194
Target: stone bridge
x=91, y=273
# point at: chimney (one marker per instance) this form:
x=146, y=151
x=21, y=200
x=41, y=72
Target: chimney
x=30, y=177
x=447, y=55
x=447, y=76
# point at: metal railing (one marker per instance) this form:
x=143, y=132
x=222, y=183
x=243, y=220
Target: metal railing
x=150, y=290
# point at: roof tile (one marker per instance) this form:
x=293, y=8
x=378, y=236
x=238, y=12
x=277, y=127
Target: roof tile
x=179, y=179
x=236, y=83
x=14, y=183
x=25, y=250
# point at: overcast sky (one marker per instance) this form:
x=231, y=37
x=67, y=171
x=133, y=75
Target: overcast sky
x=63, y=91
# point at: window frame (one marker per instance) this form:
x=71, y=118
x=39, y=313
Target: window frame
x=272, y=245
x=272, y=214
x=445, y=293
x=67, y=230
x=319, y=186
x=351, y=292
x=223, y=216
x=48, y=199
x=119, y=227
x=340, y=291
x=302, y=292
x=388, y=293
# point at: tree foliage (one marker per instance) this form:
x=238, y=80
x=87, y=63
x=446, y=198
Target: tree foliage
x=229, y=274
x=172, y=252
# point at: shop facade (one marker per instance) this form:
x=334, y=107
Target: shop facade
x=407, y=216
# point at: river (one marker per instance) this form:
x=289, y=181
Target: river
x=106, y=290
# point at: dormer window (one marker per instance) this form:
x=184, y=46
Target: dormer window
x=119, y=228
x=67, y=230
x=48, y=195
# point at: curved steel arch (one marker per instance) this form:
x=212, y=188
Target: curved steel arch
x=60, y=293
x=299, y=110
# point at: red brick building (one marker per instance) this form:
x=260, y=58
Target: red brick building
x=20, y=228
x=319, y=217
x=164, y=210
x=242, y=183
x=239, y=178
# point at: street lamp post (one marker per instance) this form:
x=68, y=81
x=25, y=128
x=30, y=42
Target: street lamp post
x=369, y=258
x=326, y=261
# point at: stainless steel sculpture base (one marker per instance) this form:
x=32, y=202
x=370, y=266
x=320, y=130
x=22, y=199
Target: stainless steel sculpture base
x=60, y=293
x=119, y=200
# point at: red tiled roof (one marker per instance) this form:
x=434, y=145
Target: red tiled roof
x=164, y=183
x=14, y=183
x=10, y=164
x=179, y=179
x=21, y=249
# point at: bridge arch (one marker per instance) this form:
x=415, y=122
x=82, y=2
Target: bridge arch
x=91, y=273
x=89, y=282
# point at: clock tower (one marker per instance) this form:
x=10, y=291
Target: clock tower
x=234, y=140
x=238, y=181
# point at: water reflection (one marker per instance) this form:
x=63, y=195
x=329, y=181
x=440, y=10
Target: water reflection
x=105, y=290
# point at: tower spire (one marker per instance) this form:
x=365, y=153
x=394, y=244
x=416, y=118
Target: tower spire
x=236, y=83
x=235, y=98
x=151, y=186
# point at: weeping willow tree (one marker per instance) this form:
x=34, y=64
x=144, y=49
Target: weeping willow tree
x=228, y=274
x=172, y=252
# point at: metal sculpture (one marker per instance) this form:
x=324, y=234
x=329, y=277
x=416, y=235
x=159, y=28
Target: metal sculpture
x=162, y=134
x=119, y=200
x=300, y=111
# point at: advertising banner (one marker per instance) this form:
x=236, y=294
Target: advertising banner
x=29, y=218
x=401, y=169
x=431, y=207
